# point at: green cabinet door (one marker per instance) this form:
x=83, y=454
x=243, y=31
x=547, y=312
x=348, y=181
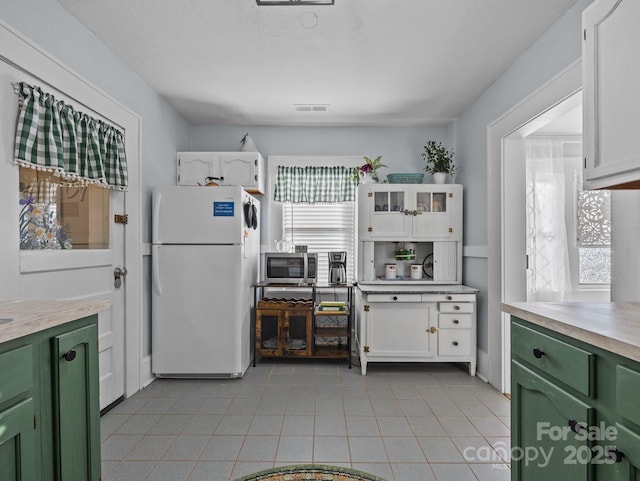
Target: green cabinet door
x=17, y=438
x=76, y=404
x=543, y=445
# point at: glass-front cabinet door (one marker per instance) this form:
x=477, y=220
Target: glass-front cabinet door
x=438, y=212
x=382, y=211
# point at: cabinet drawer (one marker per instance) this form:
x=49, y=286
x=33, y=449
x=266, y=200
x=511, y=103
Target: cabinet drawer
x=455, y=307
x=628, y=393
x=573, y=366
x=454, y=321
x=448, y=297
x=16, y=372
x=394, y=298
x=454, y=342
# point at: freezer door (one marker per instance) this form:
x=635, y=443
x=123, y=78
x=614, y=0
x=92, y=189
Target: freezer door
x=198, y=215
x=201, y=311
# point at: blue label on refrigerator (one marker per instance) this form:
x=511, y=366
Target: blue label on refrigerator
x=223, y=209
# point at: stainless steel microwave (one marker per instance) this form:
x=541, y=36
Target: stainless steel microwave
x=290, y=268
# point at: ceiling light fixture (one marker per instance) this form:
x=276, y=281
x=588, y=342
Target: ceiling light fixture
x=294, y=2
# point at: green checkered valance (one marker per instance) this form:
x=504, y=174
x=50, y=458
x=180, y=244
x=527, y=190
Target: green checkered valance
x=53, y=136
x=315, y=184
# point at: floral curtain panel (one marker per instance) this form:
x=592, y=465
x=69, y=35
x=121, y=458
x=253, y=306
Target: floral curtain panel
x=315, y=184
x=53, y=136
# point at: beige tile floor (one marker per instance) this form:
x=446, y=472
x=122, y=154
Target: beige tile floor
x=403, y=422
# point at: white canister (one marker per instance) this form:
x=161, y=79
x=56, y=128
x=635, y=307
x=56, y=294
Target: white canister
x=416, y=271
x=389, y=271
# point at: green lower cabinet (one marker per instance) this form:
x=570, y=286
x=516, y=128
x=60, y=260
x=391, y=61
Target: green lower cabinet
x=75, y=396
x=557, y=381
x=544, y=444
x=49, y=405
x=17, y=443
x=619, y=458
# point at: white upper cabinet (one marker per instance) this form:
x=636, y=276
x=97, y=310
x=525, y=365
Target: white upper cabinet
x=410, y=212
x=223, y=168
x=611, y=95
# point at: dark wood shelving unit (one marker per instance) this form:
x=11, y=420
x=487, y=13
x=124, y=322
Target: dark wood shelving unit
x=288, y=327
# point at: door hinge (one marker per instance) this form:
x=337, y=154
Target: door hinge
x=121, y=219
x=450, y=194
x=366, y=349
x=450, y=230
x=365, y=308
x=35, y=422
x=369, y=194
x=584, y=34
x=369, y=229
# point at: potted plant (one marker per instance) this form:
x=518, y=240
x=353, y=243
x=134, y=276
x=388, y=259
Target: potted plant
x=368, y=170
x=439, y=160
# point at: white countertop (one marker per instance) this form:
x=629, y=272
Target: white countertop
x=21, y=318
x=612, y=326
x=390, y=287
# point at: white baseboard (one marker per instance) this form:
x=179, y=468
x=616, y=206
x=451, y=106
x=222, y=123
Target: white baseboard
x=483, y=366
x=146, y=376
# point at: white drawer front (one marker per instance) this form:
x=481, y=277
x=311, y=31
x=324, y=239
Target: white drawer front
x=454, y=342
x=448, y=297
x=454, y=321
x=394, y=298
x=455, y=307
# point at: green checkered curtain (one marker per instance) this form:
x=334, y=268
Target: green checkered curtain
x=53, y=136
x=308, y=185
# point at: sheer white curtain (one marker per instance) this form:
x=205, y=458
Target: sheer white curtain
x=548, y=276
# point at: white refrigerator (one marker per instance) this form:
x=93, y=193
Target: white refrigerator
x=205, y=257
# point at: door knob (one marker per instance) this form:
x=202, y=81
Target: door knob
x=118, y=274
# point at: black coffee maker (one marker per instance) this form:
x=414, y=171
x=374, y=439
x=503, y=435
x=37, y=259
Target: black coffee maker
x=337, y=267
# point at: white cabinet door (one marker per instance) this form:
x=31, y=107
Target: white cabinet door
x=399, y=329
x=195, y=167
x=383, y=212
x=243, y=168
x=437, y=212
x=611, y=94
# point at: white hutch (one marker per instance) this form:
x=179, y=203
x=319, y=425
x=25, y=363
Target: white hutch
x=422, y=313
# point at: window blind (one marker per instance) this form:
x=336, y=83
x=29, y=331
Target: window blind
x=322, y=228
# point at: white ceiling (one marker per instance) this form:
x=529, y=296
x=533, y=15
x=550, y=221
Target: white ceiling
x=372, y=62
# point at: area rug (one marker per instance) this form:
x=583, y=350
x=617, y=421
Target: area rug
x=310, y=472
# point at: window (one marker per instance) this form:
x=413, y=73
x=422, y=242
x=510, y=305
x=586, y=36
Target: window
x=61, y=216
x=592, y=233
x=322, y=228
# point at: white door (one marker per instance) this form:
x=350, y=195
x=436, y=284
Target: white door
x=82, y=273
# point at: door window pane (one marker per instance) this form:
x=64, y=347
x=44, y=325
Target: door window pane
x=57, y=216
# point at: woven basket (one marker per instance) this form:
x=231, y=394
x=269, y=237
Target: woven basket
x=405, y=178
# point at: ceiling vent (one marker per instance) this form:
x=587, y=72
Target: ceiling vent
x=311, y=107
x=294, y=2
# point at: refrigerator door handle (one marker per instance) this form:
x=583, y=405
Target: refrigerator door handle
x=157, y=198
x=155, y=274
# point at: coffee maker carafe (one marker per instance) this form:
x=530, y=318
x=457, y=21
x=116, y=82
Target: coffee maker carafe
x=338, y=267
